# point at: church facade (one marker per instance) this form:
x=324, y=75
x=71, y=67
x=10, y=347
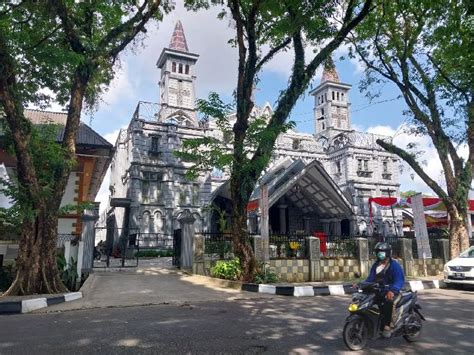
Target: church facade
x=316, y=182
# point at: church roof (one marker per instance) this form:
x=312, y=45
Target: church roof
x=178, y=39
x=330, y=72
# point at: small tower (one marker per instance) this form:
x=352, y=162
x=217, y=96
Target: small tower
x=331, y=101
x=177, y=82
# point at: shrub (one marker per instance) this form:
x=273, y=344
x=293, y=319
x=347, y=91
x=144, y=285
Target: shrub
x=227, y=269
x=265, y=277
x=67, y=272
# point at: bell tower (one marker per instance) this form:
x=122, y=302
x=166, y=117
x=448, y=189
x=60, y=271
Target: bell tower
x=177, y=81
x=331, y=101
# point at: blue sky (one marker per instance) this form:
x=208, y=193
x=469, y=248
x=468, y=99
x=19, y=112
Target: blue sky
x=137, y=78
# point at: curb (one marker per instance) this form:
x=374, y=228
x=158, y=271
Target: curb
x=330, y=290
x=29, y=305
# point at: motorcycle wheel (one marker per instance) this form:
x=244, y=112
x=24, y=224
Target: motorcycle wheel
x=355, y=334
x=413, y=335
x=97, y=255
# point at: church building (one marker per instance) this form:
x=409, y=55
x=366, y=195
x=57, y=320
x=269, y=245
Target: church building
x=318, y=181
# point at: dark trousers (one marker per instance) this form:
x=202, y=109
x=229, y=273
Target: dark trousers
x=388, y=311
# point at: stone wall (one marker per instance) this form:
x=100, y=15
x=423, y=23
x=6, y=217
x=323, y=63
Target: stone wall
x=291, y=270
x=434, y=267
x=339, y=269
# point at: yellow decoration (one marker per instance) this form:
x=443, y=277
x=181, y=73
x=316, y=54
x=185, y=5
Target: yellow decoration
x=294, y=245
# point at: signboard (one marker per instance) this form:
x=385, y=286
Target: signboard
x=421, y=232
x=264, y=221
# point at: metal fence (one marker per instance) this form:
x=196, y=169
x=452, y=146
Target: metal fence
x=63, y=238
x=338, y=247
x=155, y=241
x=283, y=246
x=218, y=245
x=435, y=246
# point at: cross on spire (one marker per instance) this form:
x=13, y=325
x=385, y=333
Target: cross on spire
x=178, y=39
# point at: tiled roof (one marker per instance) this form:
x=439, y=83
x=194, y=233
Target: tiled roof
x=178, y=39
x=85, y=136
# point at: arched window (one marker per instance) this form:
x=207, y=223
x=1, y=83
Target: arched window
x=180, y=68
x=173, y=67
x=186, y=69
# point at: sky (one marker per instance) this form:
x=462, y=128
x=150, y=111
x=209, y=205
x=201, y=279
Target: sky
x=137, y=80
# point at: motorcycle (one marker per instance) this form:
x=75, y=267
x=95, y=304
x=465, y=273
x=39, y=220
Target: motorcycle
x=365, y=321
x=97, y=254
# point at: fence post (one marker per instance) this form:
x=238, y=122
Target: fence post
x=198, y=254
x=314, y=254
x=444, y=247
x=363, y=255
x=407, y=255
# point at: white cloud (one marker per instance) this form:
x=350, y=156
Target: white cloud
x=120, y=87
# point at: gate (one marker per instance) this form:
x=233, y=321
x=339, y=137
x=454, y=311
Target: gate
x=177, y=248
x=117, y=247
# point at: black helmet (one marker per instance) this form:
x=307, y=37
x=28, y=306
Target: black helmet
x=383, y=246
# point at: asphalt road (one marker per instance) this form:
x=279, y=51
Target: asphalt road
x=267, y=325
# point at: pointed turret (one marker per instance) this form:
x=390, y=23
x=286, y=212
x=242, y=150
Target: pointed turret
x=330, y=72
x=178, y=39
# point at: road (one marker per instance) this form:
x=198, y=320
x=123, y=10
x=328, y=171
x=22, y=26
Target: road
x=278, y=325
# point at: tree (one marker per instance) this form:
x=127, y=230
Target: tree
x=70, y=48
x=277, y=25
x=425, y=49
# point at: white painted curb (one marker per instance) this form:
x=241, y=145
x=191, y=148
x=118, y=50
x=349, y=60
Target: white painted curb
x=267, y=289
x=34, y=304
x=72, y=296
x=302, y=291
x=336, y=290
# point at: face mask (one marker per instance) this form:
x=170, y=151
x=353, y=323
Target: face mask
x=381, y=255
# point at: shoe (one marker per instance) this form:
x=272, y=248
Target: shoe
x=387, y=332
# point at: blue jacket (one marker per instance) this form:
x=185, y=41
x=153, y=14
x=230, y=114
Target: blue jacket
x=394, y=277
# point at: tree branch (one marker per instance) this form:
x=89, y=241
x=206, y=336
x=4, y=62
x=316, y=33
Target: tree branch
x=68, y=25
x=410, y=159
x=271, y=53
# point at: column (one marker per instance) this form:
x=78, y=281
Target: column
x=325, y=224
x=307, y=224
x=88, y=237
x=314, y=254
x=282, y=211
x=187, y=236
x=363, y=256
x=336, y=227
x=444, y=249
x=407, y=255
x=198, y=255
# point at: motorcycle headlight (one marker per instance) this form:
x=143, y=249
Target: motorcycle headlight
x=353, y=307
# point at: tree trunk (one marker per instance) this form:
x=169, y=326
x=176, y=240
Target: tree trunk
x=458, y=232
x=37, y=271
x=242, y=248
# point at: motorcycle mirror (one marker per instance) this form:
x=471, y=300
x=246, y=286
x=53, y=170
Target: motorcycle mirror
x=357, y=275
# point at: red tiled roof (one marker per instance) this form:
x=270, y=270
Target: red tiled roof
x=178, y=39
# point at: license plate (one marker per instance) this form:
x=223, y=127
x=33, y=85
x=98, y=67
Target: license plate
x=459, y=275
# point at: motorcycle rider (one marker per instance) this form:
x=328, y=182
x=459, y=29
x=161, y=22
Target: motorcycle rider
x=387, y=271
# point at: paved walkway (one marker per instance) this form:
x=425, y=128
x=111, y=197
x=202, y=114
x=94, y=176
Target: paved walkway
x=155, y=281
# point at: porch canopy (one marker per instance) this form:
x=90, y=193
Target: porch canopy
x=307, y=186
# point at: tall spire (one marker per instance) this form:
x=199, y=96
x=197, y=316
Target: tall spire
x=330, y=72
x=178, y=40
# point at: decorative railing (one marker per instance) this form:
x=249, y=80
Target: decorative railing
x=284, y=246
